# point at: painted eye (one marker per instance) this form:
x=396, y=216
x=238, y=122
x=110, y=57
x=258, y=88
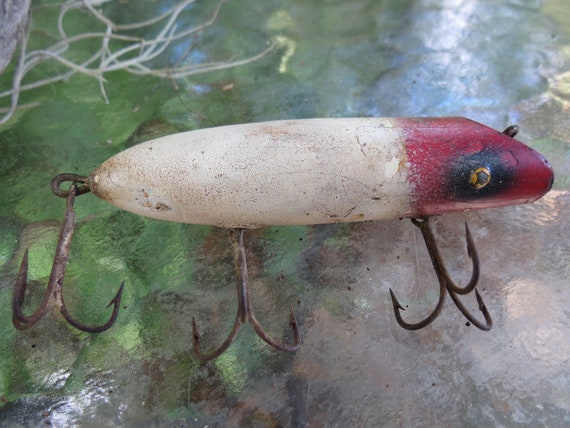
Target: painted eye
x=480, y=177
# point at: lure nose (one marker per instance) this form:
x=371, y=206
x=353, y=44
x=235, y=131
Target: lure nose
x=533, y=178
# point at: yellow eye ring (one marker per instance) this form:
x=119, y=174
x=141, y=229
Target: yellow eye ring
x=480, y=177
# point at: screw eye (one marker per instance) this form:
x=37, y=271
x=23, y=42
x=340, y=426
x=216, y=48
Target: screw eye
x=480, y=177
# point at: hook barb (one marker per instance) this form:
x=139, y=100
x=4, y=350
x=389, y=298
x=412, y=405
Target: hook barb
x=446, y=283
x=54, y=292
x=244, y=313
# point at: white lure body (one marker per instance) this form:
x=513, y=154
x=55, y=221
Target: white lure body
x=274, y=173
x=313, y=171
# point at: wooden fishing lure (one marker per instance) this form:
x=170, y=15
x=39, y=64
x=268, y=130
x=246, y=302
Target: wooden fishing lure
x=308, y=171
x=314, y=171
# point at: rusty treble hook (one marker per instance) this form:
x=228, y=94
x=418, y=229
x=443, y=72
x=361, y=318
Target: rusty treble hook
x=244, y=312
x=446, y=283
x=54, y=293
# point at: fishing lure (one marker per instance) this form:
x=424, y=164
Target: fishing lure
x=305, y=172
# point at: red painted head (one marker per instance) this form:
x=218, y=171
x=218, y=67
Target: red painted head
x=457, y=164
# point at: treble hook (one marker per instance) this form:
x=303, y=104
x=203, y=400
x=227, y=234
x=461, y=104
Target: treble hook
x=446, y=283
x=244, y=312
x=54, y=292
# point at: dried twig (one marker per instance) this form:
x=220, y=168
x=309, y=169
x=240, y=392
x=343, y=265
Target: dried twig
x=118, y=50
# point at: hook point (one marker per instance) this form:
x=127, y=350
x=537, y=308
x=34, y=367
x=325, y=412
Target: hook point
x=395, y=303
x=117, y=299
